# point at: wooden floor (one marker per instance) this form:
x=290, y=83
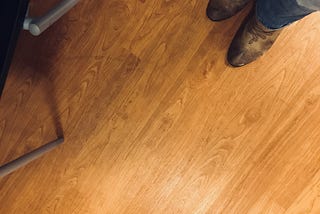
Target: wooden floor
x=154, y=119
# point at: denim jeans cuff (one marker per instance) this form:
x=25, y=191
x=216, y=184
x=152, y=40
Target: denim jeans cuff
x=276, y=14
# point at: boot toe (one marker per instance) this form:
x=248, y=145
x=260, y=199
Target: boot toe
x=238, y=57
x=216, y=14
x=236, y=60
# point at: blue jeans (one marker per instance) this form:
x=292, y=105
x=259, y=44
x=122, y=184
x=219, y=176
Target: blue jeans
x=275, y=14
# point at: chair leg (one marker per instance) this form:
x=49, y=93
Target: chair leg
x=27, y=158
x=37, y=25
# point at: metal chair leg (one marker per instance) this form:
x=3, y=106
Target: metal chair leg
x=37, y=25
x=27, y=158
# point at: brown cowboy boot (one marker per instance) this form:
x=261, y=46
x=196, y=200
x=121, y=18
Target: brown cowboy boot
x=218, y=10
x=251, y=41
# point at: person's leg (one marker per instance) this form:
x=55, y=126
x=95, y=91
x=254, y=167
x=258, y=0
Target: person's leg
x=262, y=27
x=275, y=14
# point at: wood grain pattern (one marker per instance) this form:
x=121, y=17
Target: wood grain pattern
x=155, y=121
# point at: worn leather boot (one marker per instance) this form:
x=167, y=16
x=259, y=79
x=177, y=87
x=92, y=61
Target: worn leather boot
x=251, y=41
x=218, y=10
